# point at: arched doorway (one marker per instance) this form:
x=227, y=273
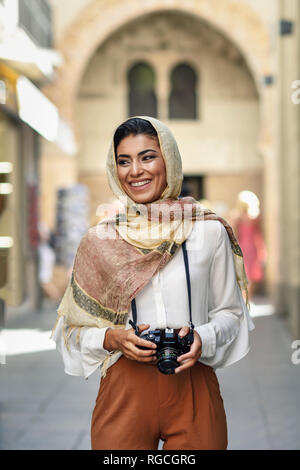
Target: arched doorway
x=238, y=22
x=101, y=18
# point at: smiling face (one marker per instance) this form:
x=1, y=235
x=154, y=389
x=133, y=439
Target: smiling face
x=141, y=168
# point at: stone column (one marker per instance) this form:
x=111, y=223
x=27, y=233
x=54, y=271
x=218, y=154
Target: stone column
x=162, y=90
x=271, y=196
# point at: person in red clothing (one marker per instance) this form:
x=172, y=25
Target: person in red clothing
x=250, y=238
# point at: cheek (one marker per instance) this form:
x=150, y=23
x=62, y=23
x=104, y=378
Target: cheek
x=120, y=174
x=161, y=171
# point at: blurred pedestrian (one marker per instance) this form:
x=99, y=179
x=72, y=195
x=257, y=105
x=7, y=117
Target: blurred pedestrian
x=250, y=238
x=46, y=264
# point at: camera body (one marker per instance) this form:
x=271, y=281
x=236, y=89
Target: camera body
x=169, y=346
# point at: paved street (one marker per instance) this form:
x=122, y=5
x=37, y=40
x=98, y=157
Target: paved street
x=43, y=408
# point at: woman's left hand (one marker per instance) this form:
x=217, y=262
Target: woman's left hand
x=189, y=359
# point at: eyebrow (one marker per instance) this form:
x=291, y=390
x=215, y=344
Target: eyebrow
x=139, y=154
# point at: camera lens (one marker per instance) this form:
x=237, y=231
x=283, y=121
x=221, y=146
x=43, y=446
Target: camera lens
x=167, y=360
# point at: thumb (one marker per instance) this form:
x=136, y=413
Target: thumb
x=143, y=327
x=184, y=331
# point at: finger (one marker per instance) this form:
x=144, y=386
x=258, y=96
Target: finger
x=192, y=354
x=185, y=366
x=137, y=341
x=189, y=357
x=142, y=342
x=129, y=354
x=132, y=338
x=143, y=352
x=146, y=360
x=143, y=327
x=132, y=346
x=183, y=357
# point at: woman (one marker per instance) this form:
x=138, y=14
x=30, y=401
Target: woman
x=138, y=255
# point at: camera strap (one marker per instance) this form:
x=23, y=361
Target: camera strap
x=188, y=281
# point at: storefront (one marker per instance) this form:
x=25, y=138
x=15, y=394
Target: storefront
x=26, y=118
x=19, y=152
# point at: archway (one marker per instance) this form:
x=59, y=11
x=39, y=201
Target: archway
x=237, y=21
x=102, y=17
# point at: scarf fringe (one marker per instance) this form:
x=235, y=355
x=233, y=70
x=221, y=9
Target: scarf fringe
x=105, y=366
x=55, y=325
x=241, y=277
x=67, y=330
x=107, y=362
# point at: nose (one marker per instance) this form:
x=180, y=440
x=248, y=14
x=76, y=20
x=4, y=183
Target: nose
x=136, y=168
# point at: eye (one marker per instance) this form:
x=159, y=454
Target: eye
x=149, y=156
x=122, y=162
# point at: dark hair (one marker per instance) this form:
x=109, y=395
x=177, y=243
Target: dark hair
x=133, y=126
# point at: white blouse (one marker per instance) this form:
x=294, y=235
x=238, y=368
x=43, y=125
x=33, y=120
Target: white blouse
x=219, y=312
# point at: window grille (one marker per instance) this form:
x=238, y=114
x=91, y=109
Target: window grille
x=142, y=97
x=183, y=95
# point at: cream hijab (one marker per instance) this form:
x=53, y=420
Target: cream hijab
x=171, y=157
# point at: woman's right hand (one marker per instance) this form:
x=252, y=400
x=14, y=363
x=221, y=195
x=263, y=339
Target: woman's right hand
x=127, y=342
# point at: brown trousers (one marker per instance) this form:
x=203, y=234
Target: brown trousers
x=137, y=405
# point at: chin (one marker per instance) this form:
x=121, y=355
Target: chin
x=142, y=199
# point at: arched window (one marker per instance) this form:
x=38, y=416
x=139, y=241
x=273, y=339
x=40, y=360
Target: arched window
x=183, y=96
x=142, y=97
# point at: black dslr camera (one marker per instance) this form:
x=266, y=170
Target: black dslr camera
x=168, y=347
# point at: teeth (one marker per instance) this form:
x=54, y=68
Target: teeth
x=141, y=183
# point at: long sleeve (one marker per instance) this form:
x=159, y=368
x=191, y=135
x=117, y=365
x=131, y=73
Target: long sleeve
x=82, y=357
x=224, y=305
